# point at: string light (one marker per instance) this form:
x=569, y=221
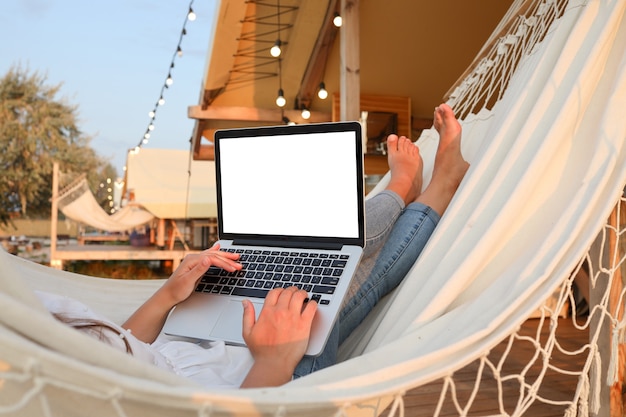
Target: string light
x=322, y=92
x=337, y=20
x=169, y=80
x=275, y=50
x=280, y=100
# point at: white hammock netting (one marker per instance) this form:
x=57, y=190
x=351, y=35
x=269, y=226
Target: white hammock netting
x=544, y=131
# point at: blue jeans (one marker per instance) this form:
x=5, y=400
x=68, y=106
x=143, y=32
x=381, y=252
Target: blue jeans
x=395, y=246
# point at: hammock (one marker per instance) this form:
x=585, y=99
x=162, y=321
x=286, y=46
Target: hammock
x=78, y=203
x=542, y=115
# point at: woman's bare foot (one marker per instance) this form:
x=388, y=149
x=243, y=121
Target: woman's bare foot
x=450, y=166
x=405, y=164
x=449, y=157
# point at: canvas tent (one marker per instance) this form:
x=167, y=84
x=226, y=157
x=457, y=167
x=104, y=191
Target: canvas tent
x=168, y=184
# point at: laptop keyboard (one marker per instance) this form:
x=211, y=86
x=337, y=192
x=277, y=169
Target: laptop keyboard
x=316, y=273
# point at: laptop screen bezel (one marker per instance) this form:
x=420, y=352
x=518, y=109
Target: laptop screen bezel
x=313, y=241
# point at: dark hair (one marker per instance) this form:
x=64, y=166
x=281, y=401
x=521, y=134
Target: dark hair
x=93, y=327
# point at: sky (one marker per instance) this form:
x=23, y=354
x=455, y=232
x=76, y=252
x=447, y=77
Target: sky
x=112, y=58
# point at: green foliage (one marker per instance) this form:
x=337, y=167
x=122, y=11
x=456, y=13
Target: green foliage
x=36, y=130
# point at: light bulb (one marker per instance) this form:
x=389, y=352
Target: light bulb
x=322, y=93
x=161, y=101
x=179, y=52
x=191, y=15
x=275, y=51
x=169, y=80
x=306, y=114
x=280, y=100
x=151, y=127
x=151, y=114
x=146, y=136
x=337, y=20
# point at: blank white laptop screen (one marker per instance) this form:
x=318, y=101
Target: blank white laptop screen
x=291, y=185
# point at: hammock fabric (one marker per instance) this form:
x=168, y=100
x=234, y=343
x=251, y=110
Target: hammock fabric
x=548, y=163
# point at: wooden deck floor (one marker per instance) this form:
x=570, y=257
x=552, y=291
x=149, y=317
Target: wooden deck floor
x=422, y=401
x=117, y=253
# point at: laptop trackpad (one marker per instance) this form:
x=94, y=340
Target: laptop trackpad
x=229, y=325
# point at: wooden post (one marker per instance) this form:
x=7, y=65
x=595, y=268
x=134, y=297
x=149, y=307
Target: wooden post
x=349, y=72
x=617, y=309
x=160, y=238
x=610, y=395
x=175, y=233
x=54, y=215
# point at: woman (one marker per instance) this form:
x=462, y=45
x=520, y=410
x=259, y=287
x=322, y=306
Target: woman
x=400, y=220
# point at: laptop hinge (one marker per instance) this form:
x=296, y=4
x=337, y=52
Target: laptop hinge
x=287, y=244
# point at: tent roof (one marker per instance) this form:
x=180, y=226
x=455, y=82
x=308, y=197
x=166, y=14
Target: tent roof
x=406, y=48
x=171, y=186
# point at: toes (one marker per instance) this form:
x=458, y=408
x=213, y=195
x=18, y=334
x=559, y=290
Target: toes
x=392, y=142
x=437, y=118
x=443, y=114
x=409, y=148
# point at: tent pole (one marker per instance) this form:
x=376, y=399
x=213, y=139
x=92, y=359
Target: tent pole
x=54, y=214
x=349, y=71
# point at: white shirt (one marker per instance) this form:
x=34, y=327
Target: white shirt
x=211, y=364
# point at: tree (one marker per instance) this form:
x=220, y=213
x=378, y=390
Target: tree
x=37, y=129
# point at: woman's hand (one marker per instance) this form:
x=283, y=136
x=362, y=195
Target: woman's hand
x=147, y=322
x=183, y=281
x=279, y=337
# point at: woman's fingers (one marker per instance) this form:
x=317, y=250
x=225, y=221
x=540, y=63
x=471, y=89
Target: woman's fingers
x=271, y=299
x=290, y=298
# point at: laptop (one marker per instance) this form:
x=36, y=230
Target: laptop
x=290, y=200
